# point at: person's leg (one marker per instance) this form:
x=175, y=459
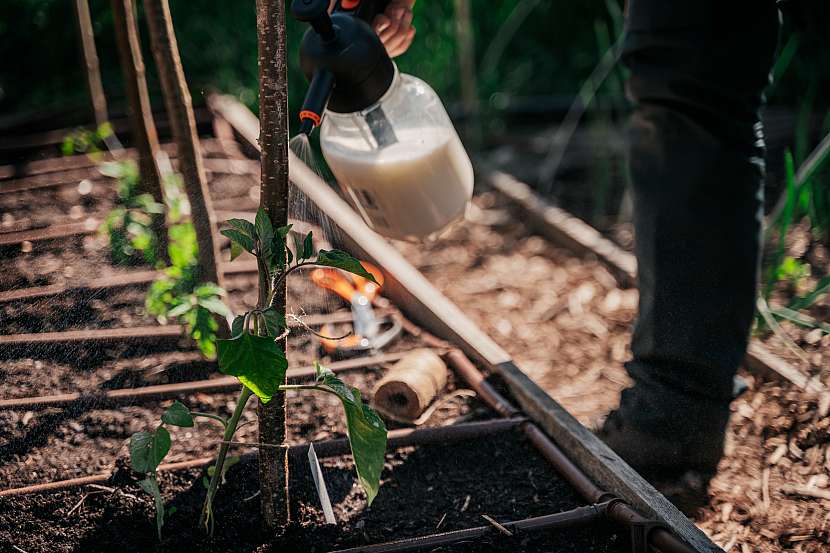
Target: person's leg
x=698, y=69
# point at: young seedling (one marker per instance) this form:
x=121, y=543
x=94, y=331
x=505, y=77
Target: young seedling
x=254, y=356
x=129, y=226
x=179, y=293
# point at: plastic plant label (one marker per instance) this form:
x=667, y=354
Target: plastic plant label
x=320, y=484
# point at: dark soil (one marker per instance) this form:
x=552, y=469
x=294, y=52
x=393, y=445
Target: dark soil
x=424, y=490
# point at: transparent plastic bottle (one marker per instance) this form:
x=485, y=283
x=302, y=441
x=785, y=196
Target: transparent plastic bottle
x=400, y=161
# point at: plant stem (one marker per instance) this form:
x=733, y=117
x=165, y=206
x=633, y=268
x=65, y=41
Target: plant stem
x=210, y=416
x=206, y=520
x=285, y=387
x=281, y=279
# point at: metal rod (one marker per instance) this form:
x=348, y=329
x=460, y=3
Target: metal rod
x=575, y=517
x=477, y=382
x=406, y=437
x=117, y=281
x=152, y=332
x=163, y=391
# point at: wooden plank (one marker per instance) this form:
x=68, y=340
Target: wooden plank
x=762, y=361
x=13, y=142
x=73, y=174
x=52, y=232
x=160, y=331
x=164, y=391
x=94, y=335
x=84, y=161
x=116, y=281
x=88, y=226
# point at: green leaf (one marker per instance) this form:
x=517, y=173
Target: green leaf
x=180, y=309
x=274, y=321
x=257, y=361
x=242, y=241
x=367, y=432
x=208, y=289
x=342, y=260
x=215, y=305
x=236, y=250
x=150, y=485
x=237, y=325
x=245, y=227
x=308, y=246
x=147, y=449
x=177, y=415
x=279, y=247
x=265, y=234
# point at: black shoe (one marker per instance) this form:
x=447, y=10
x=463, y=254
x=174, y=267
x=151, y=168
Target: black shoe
x=679, y=467
x=650, y=452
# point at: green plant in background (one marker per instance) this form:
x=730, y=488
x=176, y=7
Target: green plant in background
x=128, y=227
x=254, y=356
x=805, y=195
x=86, y=141
x=178, y=293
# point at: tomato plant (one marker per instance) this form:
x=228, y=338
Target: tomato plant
x=254, y=356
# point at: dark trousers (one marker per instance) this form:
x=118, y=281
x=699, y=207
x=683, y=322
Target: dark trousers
x=698, y=70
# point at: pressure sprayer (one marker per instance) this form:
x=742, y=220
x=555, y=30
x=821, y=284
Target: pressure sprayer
x=385, y=135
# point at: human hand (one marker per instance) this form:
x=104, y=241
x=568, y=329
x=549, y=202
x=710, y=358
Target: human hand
x=394, y=26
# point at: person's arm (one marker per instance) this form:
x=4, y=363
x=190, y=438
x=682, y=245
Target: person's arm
x=394, y=26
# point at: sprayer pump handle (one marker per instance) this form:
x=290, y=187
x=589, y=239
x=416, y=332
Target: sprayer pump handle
x=315, y=12
x=363, y=9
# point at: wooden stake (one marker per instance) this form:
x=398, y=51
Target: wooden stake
x=93, y=70
x=138, y=108
x=467, y=70
x=179, y=107
x=273, y=138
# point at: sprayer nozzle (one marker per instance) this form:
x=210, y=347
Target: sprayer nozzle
x=306, y=126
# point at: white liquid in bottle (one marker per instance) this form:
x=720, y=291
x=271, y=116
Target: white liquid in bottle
x=409, y=189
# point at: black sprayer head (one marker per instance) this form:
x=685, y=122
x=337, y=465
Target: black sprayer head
x=343, y=58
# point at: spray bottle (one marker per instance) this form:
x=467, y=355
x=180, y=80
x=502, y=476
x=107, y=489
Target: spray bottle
x=385, y=135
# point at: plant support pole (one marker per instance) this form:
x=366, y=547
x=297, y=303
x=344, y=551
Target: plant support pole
x=273, y=138
x=138, y=107
x=179, y=107
x=91, y=65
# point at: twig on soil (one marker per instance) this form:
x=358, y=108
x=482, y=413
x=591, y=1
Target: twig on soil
x=466, y=504
x=440, y=522
x=18, y=549
x=256, y=444
x=102, y=488
x=83, y=498
x=777, y=455
x=805, y=491
x=765, y=488
x=496, y=525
